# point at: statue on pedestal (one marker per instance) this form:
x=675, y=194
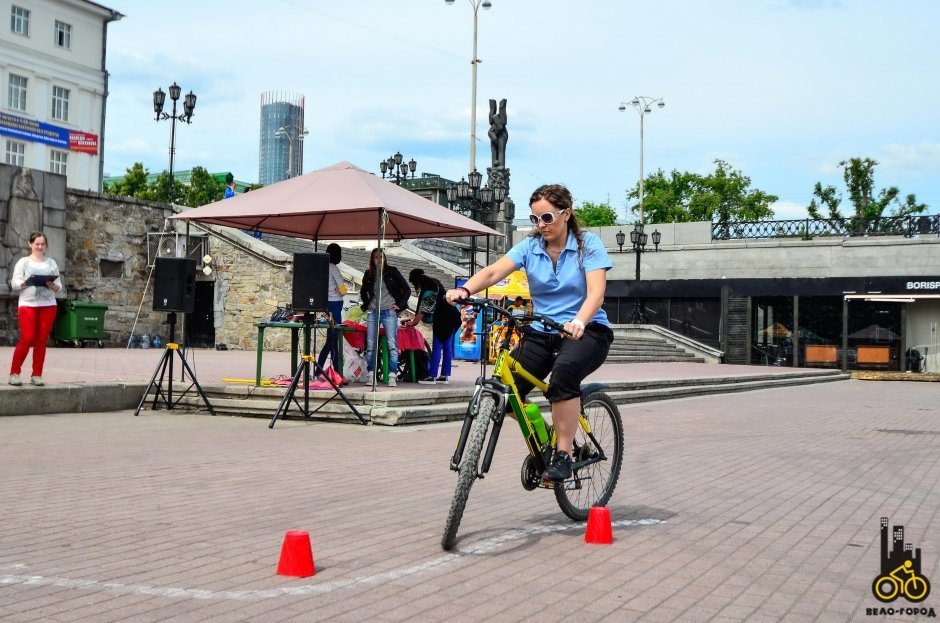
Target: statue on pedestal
x=498, y=133
x=498, y=174
x=24, y=216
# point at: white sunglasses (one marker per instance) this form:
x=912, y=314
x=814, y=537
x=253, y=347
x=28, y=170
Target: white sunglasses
x=547, y=218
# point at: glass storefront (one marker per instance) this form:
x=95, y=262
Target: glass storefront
x=772, y=339
x=820, y=341
x=874, y=333
x=789, y=321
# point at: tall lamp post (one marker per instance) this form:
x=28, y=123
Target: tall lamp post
x=469, y=198
x=475, y=4
x=638, y=239
x=189, y=105
x=293, y=134
x=397, y=169
x=643, y=106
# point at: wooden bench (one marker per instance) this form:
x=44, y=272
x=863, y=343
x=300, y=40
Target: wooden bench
x=821, y=354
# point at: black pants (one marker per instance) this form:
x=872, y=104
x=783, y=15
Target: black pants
x=569, y=361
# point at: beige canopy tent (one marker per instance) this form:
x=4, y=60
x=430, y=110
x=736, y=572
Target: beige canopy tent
x=340, y=202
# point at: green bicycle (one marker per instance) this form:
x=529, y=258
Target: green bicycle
x=598, y=446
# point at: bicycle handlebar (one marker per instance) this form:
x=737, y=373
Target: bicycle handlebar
x=475, y=301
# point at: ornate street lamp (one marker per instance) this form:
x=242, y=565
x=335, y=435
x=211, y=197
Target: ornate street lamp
x=638, y=238
x=397, y=169
x=189, y=105
x=293, y=134
x=468, y=198
x=621, y=238
x=643, y=106
x=474, y=61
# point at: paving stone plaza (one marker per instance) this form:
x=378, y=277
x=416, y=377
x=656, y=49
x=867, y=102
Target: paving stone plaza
x=753, y=506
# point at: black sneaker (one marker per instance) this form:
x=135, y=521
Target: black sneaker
x=427, y=381
x=560, y=468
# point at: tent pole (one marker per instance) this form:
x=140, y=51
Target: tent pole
x=183, y=316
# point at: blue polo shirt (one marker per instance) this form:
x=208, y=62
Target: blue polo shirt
x=559, y=293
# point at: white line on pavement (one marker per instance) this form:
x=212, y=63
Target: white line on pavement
x=481, y=547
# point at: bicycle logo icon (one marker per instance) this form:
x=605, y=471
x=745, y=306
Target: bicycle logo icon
x=900, y=569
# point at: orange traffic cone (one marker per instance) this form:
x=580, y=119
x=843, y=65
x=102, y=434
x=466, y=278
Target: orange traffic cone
x=598, y=526
x=296, y=555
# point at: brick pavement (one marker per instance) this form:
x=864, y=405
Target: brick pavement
x=761, y=506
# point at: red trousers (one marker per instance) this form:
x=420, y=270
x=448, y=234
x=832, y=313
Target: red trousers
x=35, y=327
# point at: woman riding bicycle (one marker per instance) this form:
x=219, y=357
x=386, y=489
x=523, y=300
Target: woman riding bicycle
x=567, y=273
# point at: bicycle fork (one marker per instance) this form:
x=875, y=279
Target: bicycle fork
x=498, y=392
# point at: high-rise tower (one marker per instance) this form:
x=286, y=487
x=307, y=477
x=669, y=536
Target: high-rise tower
x=281, y=151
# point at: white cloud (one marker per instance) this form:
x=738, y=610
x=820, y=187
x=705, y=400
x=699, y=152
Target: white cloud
x=785, y=210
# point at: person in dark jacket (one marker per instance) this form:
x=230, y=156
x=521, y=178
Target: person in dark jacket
x=444, y=319
x=382, y=300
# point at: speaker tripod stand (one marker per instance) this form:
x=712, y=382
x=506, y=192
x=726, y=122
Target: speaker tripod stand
x=303, y=372
x=164, y=370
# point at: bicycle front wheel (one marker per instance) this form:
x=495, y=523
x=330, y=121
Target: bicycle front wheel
x=467, y=473
x=597, y=459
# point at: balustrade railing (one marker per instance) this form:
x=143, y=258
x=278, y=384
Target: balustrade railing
x=808, y=228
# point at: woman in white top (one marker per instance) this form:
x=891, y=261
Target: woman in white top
x=37, y=278
x=334, y=305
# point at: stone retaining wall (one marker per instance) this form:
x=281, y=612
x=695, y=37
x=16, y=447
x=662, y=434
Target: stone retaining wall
x=108, y=260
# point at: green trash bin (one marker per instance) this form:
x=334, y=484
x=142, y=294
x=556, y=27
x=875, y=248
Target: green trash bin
x=80, y=321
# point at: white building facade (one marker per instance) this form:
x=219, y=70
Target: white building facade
x=54, y=87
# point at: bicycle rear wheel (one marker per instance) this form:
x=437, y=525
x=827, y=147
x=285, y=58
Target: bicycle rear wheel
x=467, y=474
x=594, y=482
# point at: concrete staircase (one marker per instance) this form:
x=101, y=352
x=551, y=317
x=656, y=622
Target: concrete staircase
x=418, y=404
x=648, y=348
x=649, y=343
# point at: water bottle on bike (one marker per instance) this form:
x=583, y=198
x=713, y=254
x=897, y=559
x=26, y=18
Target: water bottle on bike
x=534, y=415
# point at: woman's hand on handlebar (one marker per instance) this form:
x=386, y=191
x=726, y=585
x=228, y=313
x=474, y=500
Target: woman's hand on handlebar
x=456, y=295
x=564, y=330
x=573, y=330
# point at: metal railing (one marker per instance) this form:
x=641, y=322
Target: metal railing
x=808, y=228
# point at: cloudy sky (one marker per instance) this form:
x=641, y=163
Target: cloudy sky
x=781, y=89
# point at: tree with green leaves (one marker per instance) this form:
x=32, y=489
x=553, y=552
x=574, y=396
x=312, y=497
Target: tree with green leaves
x=592, y=214
x=724, y=197
x=159, y=190
x=134, y=184
x=203, y=188
x=867, y=208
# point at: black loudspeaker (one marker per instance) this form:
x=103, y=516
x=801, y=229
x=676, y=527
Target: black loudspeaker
x=174, y=286
x=311, y=281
